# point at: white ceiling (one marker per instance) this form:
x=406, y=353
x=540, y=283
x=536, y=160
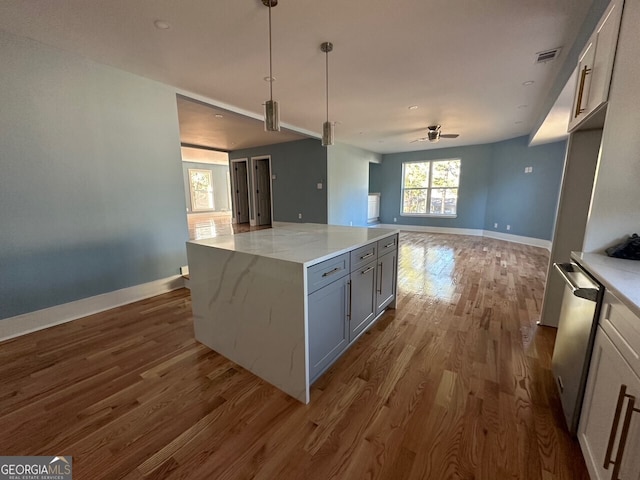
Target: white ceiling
x=463, y=62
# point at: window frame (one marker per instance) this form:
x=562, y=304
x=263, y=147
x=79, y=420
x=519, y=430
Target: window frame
x=429, y=189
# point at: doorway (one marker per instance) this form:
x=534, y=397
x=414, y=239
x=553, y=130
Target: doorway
x=262, y=189
x=240, y=171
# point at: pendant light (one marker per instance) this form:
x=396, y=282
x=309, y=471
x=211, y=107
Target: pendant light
x=327, y=127
x=271, y=109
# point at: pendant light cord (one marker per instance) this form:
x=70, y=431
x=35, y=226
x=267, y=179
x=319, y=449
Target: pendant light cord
x=327, y=81
x=270, y=57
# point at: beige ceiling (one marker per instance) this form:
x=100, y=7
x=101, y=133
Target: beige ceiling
x=462, y=62
x=208, y=126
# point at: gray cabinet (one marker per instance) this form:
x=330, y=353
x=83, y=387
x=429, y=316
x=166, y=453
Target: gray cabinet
x=386, y=280
x=348, y=293
x=328, y=326
x=362, y=300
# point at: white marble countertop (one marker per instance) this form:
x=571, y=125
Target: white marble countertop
x=306, y=243
x=621, y=277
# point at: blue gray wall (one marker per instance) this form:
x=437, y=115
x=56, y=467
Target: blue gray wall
x=298, y=166
x=91, y=194
x=525, y=201
x=474, y=183
x=493, y=187
x=220, y=185
x=348, y=184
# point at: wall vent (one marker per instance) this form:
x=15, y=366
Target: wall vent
x=547, y=55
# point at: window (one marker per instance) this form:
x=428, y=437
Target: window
x=201, y=189
x=430, y=188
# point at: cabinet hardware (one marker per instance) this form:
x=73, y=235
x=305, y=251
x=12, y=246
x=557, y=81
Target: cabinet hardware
x=617, y=463
x=380, y=289
x=370, y=254
x=350, y=293
x=583, y=77
x=331, y=272
x=390, y=245
x=366, y=270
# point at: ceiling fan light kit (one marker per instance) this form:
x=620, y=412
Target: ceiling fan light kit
x=327, y=126
x=271, y=108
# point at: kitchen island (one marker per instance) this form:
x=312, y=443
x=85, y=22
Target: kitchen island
x=286, y=302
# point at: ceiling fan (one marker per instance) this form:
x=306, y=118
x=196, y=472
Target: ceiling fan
x=433, y=135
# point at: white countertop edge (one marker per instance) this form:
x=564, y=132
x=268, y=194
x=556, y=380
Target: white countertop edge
x=380, y=233
x=621, y=277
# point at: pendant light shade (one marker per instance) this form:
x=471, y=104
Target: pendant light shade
x=271, y=108
x=271, y=116
x=327, y=127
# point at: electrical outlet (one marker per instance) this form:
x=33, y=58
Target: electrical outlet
x=528, y=169
x=319, y=186
x=395, y=219
x=495, y=225
x=351, y=224
x=508, y=227
x=300, y=216
x=273, y=177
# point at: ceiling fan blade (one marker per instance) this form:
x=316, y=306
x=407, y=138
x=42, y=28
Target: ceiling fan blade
x=449, y=135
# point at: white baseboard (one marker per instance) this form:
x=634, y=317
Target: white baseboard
x=534, y=242
x=48, y=317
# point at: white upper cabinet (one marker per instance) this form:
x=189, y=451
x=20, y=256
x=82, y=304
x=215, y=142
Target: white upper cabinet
x=596, y=66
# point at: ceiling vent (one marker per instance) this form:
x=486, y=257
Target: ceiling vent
x=547, y=55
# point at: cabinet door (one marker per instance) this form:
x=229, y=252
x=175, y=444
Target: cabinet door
x=328, y=327
x=601, y=429
x=585, y=71
x=606, y=39
x=363, y=299
x=386, y=291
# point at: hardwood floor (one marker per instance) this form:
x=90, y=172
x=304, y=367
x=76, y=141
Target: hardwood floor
x=454, y=384
x=207, y=225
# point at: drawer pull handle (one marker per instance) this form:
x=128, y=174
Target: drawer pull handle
x=331, y=272
x=380, y=289
x=370, y=254
x=623, y=435
x=350, y=298
x=388, y=245
x=366, y=270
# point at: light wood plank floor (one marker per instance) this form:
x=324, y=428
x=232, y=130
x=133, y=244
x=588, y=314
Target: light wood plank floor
x=207, y=225
x=455, y=383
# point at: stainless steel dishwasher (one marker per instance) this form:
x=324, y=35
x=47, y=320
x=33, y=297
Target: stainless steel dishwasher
x=574, y=340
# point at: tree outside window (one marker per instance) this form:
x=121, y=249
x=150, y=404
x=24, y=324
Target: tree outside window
x=430, y=188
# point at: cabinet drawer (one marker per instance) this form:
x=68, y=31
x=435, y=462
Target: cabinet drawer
x=623, y=327
x=363, y=255
x=326, y=272
x=388, y=244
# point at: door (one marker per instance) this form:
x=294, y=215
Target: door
x=362, y=304
x=262, y=180
x=609, y=429
x=241, y=191
x=386, y=280
x=328, y=334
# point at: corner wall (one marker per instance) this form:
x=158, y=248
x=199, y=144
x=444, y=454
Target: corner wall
x=298, y=167
x=493, y=187
x=348, y=184
x=91, y=195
